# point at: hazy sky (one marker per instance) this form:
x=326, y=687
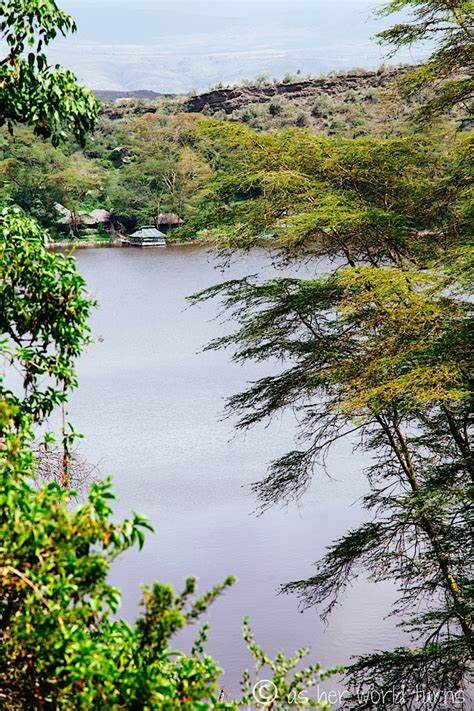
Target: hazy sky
x=178, y=45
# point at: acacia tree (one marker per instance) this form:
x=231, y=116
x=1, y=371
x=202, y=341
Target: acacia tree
x=447, y=77
x=25, y=168
x=74, y=183
x=382, y=355
x=399, y=200
x=377, y=352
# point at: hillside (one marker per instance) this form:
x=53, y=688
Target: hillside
x=352, y=103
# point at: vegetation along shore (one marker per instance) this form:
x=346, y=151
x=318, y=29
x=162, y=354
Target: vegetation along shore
x=148, y=157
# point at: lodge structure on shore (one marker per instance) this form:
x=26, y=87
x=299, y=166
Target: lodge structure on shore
x=154, y=235
x=148, y=236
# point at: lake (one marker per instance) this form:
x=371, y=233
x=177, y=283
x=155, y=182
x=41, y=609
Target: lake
x=150, y=405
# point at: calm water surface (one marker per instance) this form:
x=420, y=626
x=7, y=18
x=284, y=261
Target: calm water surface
x=150, y=406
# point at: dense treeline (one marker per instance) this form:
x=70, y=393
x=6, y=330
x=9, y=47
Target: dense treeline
x=150, y=160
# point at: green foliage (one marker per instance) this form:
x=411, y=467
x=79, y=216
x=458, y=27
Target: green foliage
x=37, y=177
x=138, y=165
x=33, y=92
x=382, y=354
x=163, y=172
x=61, y=646
x=43, y=321
x=398, y=199
x=377, y=353
x=277, y=691
x=24, y=172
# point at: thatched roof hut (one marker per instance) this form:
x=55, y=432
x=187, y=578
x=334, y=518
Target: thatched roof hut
x=79, y=219
x=82, y=218
x=101, y=217
x=168, y=221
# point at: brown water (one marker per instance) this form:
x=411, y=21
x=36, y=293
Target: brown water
x=150, y=406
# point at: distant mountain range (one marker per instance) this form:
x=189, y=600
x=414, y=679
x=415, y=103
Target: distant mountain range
x=111, y=95
x=174, y=47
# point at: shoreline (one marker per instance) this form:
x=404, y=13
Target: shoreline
x=117, y=244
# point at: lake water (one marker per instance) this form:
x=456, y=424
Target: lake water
x=150, y=406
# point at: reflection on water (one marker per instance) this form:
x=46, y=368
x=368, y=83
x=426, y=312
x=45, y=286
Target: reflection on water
x=150, y=406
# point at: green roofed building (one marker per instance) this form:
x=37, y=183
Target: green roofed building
x=147, y=236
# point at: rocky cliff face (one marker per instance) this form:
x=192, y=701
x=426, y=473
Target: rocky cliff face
x=234, y=98
x=345, y=102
